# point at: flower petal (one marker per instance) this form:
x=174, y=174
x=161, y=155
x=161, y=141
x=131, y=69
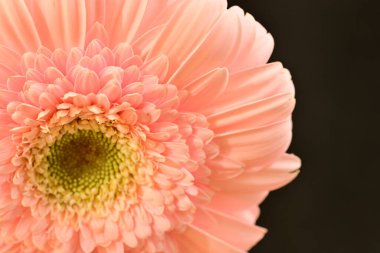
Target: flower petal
x=254, y=114
x=205, y=89
x=275, y=176
x=221, y=225
x=251, y=85
x=122, y=19
x=197, y=240
x=9, y=62
x=214, y=51
x=259, y=146
x=17, y=29
x=60, y=24
x=186, y=29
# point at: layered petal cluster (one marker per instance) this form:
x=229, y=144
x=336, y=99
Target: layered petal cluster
x=138, y=126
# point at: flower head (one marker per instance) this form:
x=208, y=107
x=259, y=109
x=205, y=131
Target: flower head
x=138, y=126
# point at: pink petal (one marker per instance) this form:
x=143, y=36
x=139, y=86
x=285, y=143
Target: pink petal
x=115, y=247
x=197, y=240
x=23, y=227
x=129, y=238
x=257, y=146
x=64, y=233
x=97, y=31
x=6, y=97
x=146, y=41
x=17, y=29
x=215, y=51
x=276, y=175
x=86, y=82
x=256, y=45
x=112, y=90
x=157, y=66
x=221, y=225
x=86, y=240
x=10, y=60
x=189, y=24
x=205, y=89
x=254, y=114
x=60, y=24
x=223, y=168
x=253, y=84
x=95, y=12
x=7, y=149
x=124, y=29
x=122, y=52
x=111, y=230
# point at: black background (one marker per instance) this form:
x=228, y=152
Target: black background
x=332, y=50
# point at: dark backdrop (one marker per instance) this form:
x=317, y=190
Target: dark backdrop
x=332, y=50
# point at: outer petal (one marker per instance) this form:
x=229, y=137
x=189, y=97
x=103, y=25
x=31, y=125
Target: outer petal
x=256, y=147
x=255, y=43
x=197, y=240
x=244, y=43
x=60, y=24
x=253, y=84
x=220, y=225
x=9, y=63
x=203, y=90
x=245, y=192
x=251, y=115
x=186, y=29
x=275, y=176
x=17, y=30
x=121, y=19
x=214, y=51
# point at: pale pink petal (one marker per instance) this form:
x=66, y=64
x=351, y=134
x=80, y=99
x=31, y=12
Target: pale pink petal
x=274, y=176
x=7, y=150
x=115, y=247
x=158, y=66
x=23, y=227
x=220, y=225
x=256, y=146
x=197, y=240
x=9, y=62
x=256, y=45
x=60, y=24
x=145, y=42
x=254, y=114
x=64, y=233
x=95, y=12
x=123, y=19
x=86, y=82
x=253, y=84
x=7, y=96
x=98, y=32
x=214, y=51
x=86, y=240
x=204, y=90
x=224, y=168
x=190, y=23
x=17, y=29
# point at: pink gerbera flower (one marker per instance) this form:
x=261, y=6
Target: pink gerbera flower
x=138, y=126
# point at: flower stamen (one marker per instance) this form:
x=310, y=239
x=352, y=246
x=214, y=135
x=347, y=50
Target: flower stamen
x=85, y=165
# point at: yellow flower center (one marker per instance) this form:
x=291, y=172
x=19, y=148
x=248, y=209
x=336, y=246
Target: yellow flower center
x=84, y=160
x=83, y=167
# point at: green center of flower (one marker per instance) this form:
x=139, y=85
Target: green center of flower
x=83, y=167
x=85, y=159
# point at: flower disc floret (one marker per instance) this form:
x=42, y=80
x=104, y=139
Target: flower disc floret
x=83, y=166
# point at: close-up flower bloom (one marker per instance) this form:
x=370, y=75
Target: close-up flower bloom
x=138, y=126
